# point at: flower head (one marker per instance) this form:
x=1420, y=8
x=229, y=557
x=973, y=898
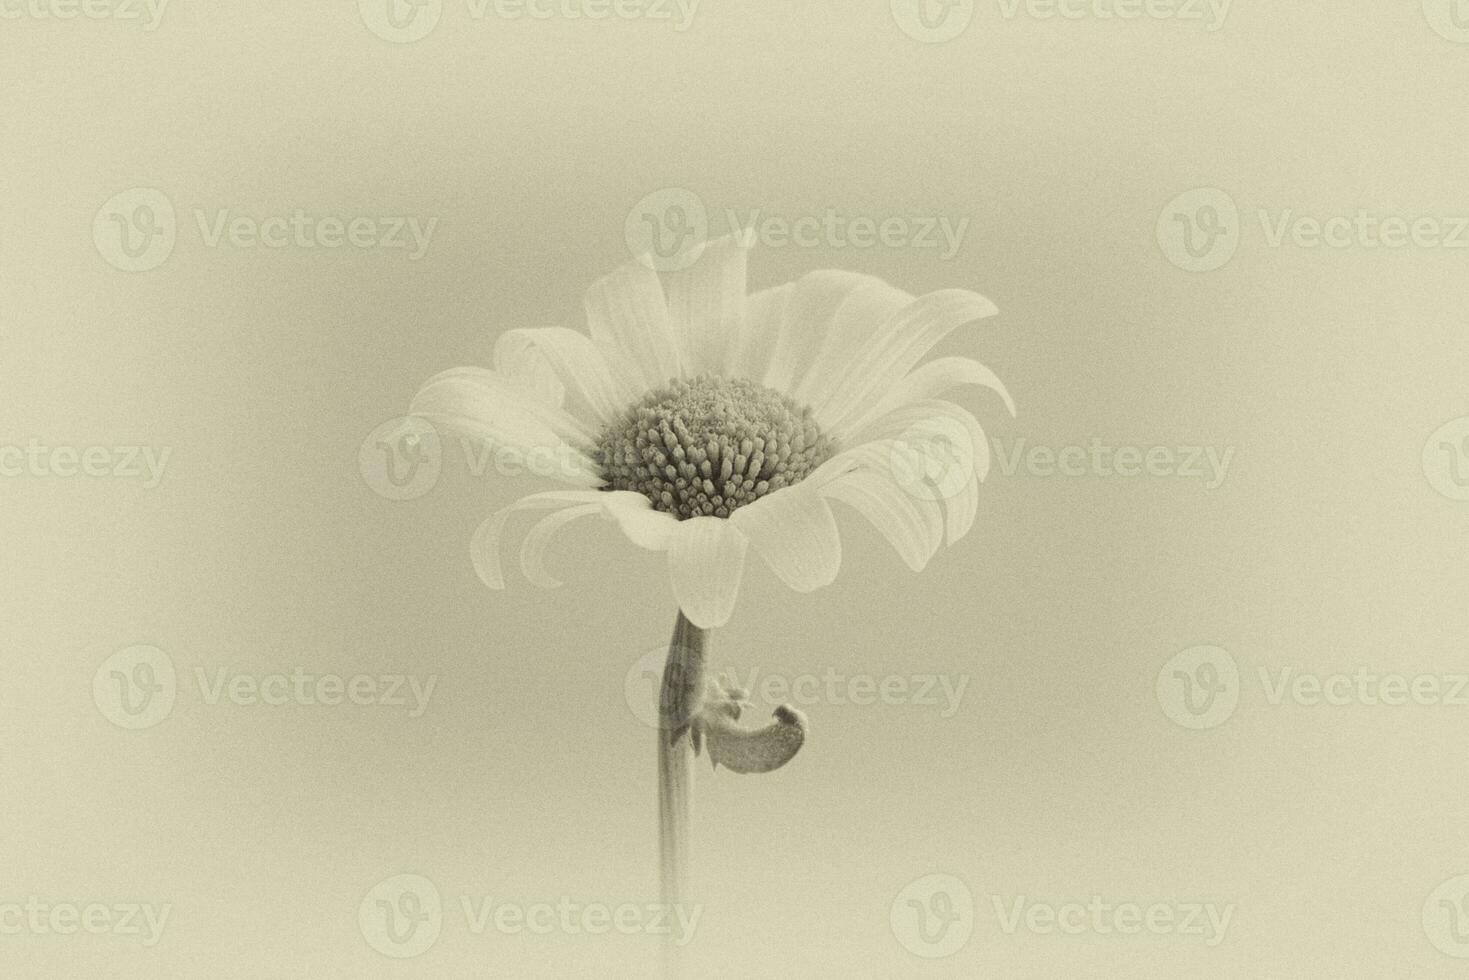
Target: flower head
x=707, y=423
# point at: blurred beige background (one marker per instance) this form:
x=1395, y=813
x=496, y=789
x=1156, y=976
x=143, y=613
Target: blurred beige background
x=1111, y=175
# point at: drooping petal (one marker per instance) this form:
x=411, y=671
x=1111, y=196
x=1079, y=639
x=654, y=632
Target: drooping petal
x=899, y=345
x=484, y=547
x=938, y=432
x=866, y=454
x=706, y=560
x=764, y=312
x=706, y=302
x=485, y=405
x=809, y=309
x=635, y=515
x=794, y=531
x=913, y=525
x=579, y=365
x=533, y=547
x=629, y=321
x=528, y=369
x=865, y=310
x=929, y=381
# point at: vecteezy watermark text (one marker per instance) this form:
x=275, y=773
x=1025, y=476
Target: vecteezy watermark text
x=137, y=230
x=934, y=917
x=136, y=688
x=1200, y=687
x=403, y=457
x=1200, y=230
x=1097, y=916
x=33, y=916
x=36, y=459
x=402, y=917
x=307, y=689
x=406, y=21
x=937, y=21
x=1208, y=464
x=119, y=10
x=668, y=228
x=768, y=690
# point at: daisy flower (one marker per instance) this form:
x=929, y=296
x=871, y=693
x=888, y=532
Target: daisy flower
x=711, y=424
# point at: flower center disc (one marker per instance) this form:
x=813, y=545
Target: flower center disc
x=709, y=445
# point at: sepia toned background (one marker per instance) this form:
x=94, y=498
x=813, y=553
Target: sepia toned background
x=1129, y=190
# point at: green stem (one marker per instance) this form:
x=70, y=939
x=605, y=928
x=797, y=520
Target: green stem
x=680, y=698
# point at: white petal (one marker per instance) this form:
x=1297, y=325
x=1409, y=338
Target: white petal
x=706, y=302
x=865, y=310
x=867, y=454
x=898, y=346
x=484, y=547
x=528, y=369
x=809, y=310
x=634, y=514
x=764, y=312
x=912, y=525
x=533, y=548
x=794, y=531
x=961, y=501
x=928, y=381
x=577, y=362
x=487, y=406
x=706, y=559
x=628, y=319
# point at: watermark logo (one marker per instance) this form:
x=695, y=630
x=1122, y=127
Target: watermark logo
x=667, y=229
x=1449, y=19
x=1199, y=687
x=1446, y=917
x=401, y=21
x=1199, y=230
x=932, y=21
x=135, y=230
x=1446, y=459
x=642, y=684
x=135, y=688
x=933, y=917
x=401, y=459
x=401, y=916
x=933, y=459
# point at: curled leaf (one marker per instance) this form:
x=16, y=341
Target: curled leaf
x=746, y=750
